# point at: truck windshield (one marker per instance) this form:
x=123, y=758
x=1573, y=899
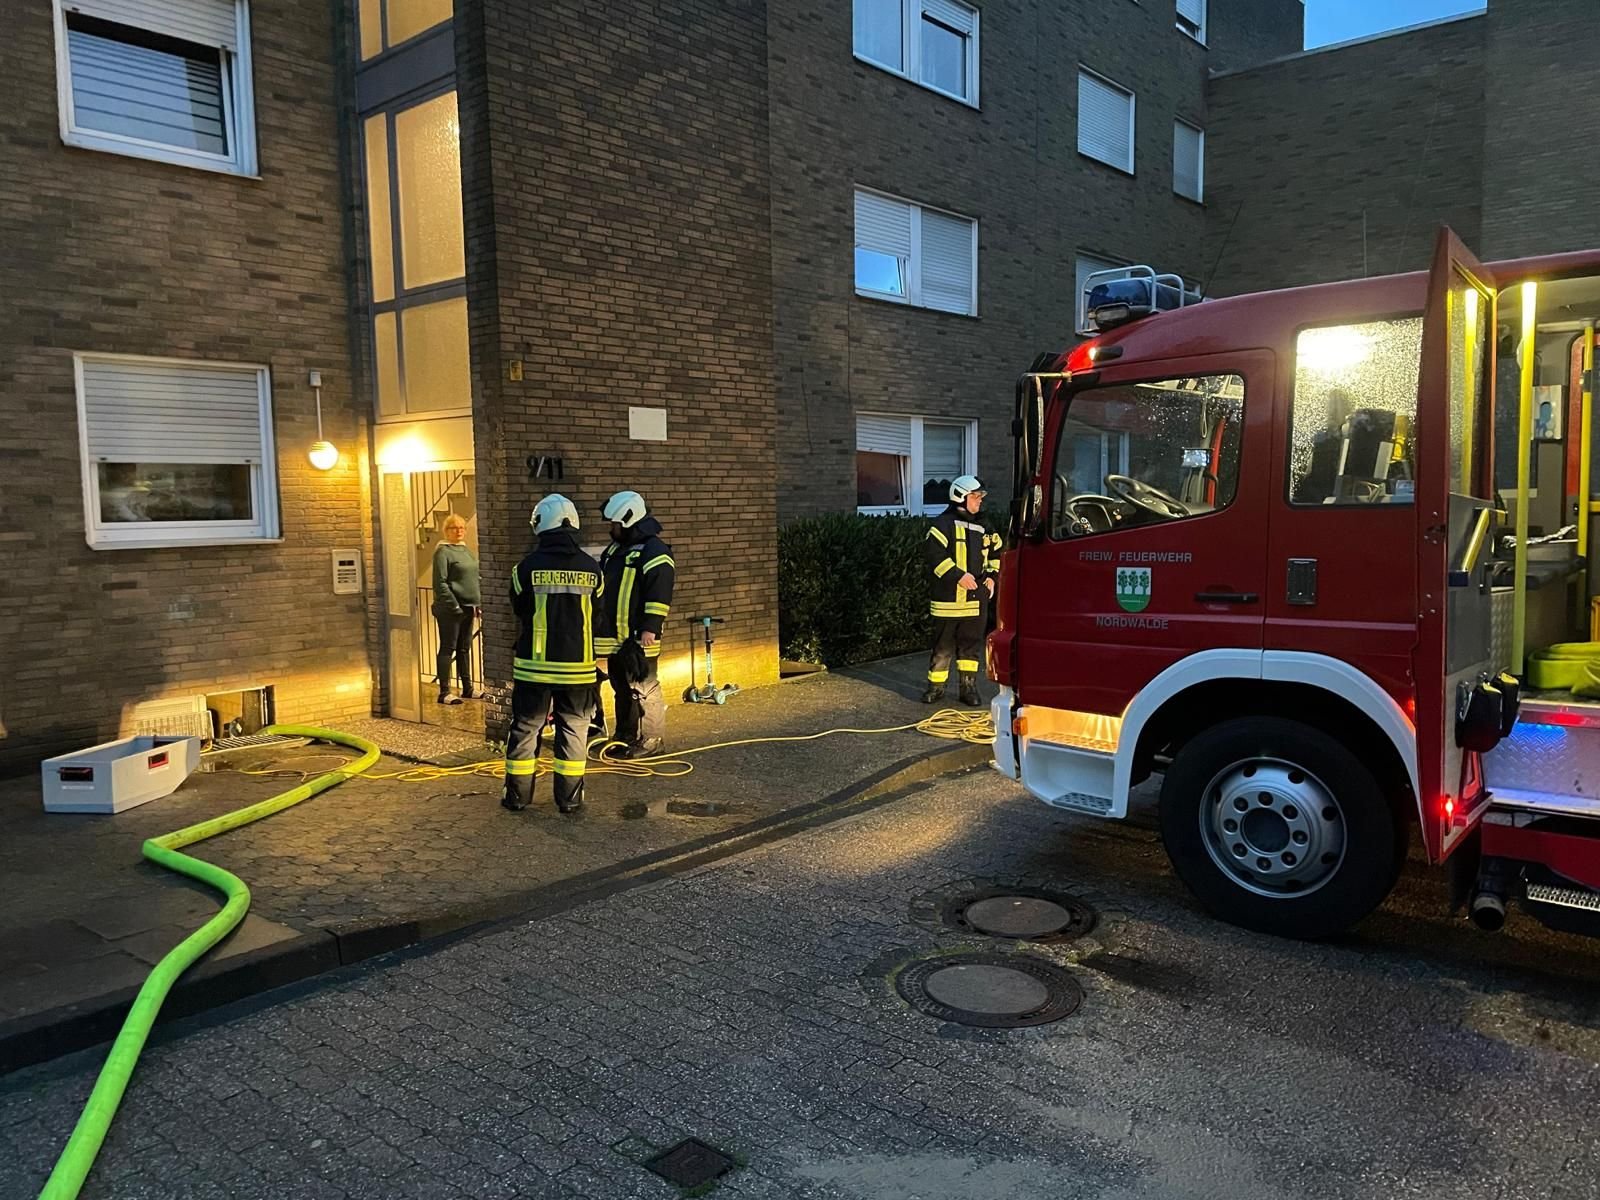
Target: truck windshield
x=1142, y=453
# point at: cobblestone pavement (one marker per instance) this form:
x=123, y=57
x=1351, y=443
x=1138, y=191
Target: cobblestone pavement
x=86, y=916
x=745, y=1003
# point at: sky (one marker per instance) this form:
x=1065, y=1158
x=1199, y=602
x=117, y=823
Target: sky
x=1340, y=20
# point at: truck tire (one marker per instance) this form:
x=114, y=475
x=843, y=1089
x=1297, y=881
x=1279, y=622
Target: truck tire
x=1279, y=827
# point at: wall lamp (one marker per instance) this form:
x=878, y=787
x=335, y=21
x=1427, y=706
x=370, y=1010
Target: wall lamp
x=324, y=455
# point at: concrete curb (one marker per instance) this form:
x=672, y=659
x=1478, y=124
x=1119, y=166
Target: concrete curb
x=42, y=1036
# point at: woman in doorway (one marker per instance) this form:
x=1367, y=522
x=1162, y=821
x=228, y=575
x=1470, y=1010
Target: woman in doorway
x=456, y=604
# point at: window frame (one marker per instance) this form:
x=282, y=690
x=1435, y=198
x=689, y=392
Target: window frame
x=265, y=528
x=1133, y=123
x=1294, y=391
x=913, y=270
x=385, y=46
x=1200, y=162
x=238, y=107
x=915, y=507
x=1051, y=526
x=912, y=15
x=403, y=298
x=1198, y=33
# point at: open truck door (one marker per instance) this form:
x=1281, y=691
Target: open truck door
x=1463, y=704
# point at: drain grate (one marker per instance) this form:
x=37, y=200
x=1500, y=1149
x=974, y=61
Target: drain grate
x=1019, y=913
x=990, y=991
x=253, y=741
x=690, y=1164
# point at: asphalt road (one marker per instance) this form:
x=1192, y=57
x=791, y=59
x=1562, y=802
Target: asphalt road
x=746, y=1003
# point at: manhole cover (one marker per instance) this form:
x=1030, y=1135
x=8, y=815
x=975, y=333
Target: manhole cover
x=991, y=991
x=1023, y=914
x=690, y=1163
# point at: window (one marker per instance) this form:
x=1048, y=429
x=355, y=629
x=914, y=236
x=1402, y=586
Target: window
x=1147, y=453
x=1355, y=401
x=1188, y=161
x=161, y=79
x=387, y=23
x=175, y=452
x=1105, y=121
x=931, y=42
x=418, y=259
x=1192, y=19
x=1088, y=265
x=915, y=255
x=906, y=464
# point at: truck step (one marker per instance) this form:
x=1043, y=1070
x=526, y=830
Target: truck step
x=1566, y=897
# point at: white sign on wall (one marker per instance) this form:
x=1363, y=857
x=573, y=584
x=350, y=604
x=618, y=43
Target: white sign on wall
x=647, y=424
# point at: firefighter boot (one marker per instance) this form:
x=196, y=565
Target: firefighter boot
x=518, y=794
x=644, y=748
x=969, y=692
x=934, y=694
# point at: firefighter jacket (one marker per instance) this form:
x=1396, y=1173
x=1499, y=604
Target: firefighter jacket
x=639, y=574
x=957, y=545
x=553, y=593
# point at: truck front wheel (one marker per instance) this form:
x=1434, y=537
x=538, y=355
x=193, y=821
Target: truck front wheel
x=1278, y=827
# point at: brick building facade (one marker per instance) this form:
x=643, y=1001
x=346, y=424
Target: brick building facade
x=620, y=258
x=1008, y=158
x=682, y=250
x=110, y=254
x=1477, y=122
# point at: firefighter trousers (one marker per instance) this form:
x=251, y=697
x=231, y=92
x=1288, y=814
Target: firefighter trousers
x=531, y=705
x=958, y=640
x=641, y=705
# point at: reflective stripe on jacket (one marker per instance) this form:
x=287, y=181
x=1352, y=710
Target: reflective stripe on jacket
x=639, y=576
x=553, y=591
x=955, y=546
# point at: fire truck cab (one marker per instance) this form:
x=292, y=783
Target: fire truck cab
x=1318, y=558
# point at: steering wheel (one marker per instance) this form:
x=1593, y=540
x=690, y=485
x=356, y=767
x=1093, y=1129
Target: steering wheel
x=1087, y=517
x=1143, y=495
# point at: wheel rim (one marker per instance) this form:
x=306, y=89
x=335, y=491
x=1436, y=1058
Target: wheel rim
x=1272, y=827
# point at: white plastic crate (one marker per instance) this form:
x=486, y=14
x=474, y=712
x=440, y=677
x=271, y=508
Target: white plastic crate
x=119, y=775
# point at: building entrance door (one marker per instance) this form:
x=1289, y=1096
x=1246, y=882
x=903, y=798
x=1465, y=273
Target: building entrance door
x=416, y=505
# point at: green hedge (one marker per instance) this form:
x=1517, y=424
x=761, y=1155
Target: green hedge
x=851, y=588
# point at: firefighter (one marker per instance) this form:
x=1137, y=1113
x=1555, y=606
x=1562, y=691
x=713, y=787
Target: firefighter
x=639, y=574
x=963, y=564
x=553, y=593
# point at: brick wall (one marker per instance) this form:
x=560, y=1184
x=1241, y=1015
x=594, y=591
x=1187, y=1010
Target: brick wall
x=616, y=192
x=1013, y=164
x=113, y=254
x=1541, y=173
x=1244, y=32
x=1298, y=150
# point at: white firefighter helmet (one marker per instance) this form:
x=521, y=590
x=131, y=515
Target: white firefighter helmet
x=554, y=511
x=964, y=487
x=626, y=509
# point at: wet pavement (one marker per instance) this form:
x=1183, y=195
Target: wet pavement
x=751, y=1003
x=85, y=916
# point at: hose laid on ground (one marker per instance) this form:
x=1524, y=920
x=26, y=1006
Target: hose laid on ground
x=72, y=1168
x=76, y=1160
x=952, y=724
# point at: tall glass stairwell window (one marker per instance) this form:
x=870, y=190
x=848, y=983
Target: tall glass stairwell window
x=418, y=302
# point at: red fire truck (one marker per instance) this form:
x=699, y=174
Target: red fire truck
x=1306, y=554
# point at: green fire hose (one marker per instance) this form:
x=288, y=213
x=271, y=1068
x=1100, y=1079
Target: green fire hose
x=72, y=1168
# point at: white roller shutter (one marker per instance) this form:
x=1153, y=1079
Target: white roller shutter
x=1105, y=121
x=170, y=413
x=884, y=435
x=1188, y=144
x=957, y=16
x=947, y=262
x=1193, y=11
x=205, y=22
x=883, y=224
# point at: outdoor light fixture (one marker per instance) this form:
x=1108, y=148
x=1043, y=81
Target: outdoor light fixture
x=324, y=455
